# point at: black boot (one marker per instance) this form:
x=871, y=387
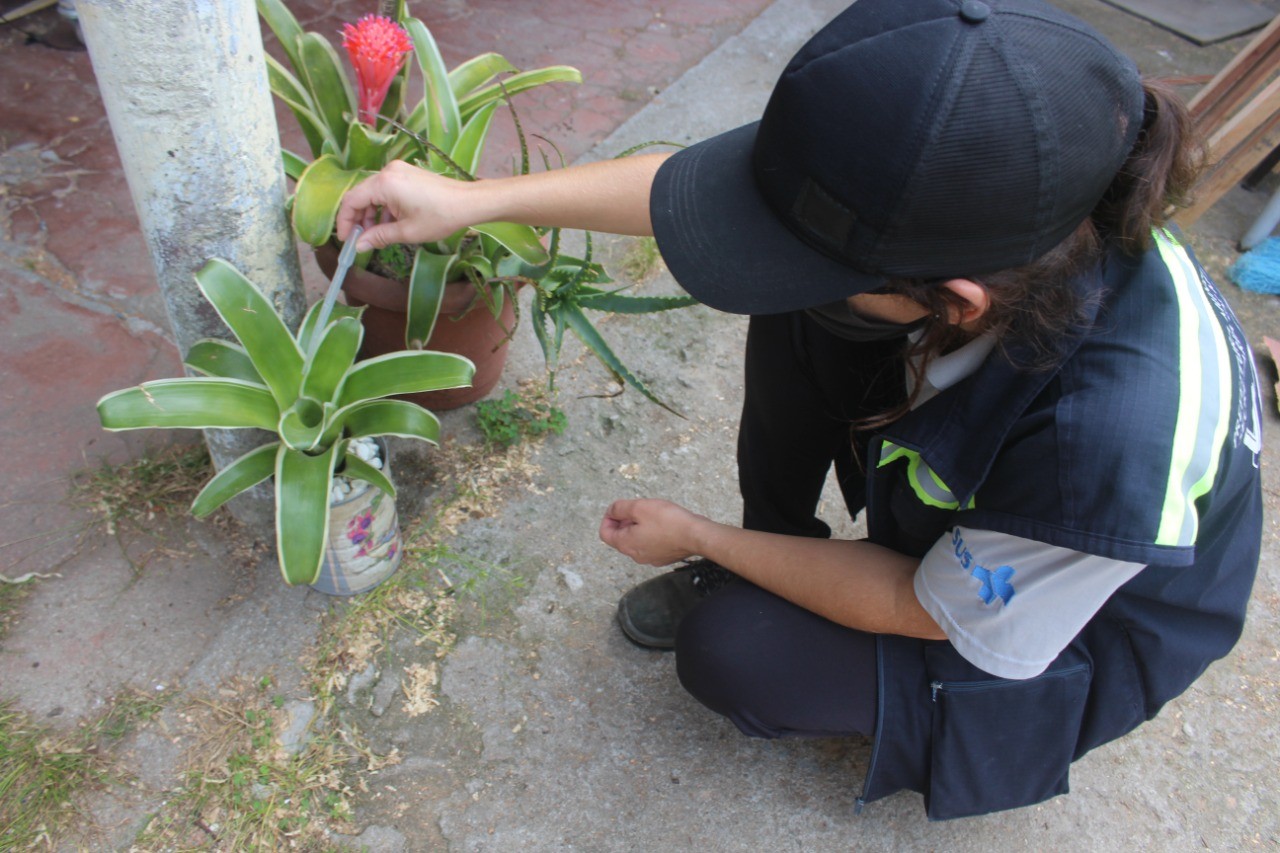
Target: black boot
x=650, y=612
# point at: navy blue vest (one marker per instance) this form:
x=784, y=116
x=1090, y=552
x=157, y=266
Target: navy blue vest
x=1142, y=446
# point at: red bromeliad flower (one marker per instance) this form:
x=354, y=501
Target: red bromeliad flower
x=377, y=47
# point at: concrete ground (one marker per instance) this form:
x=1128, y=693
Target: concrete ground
x=552, y=732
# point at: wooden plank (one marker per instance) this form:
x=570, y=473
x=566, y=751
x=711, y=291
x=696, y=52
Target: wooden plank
x=1245, y=122
x=26, y=9
x=1230, y=171
x=1246, y=71
x=1236, y=121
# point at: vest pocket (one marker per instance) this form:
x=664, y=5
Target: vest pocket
x=1000, y=744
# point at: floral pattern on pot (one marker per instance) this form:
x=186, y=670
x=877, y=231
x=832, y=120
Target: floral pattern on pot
x=364, y=543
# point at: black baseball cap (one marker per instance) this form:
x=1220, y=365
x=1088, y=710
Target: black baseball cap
x=907, y=138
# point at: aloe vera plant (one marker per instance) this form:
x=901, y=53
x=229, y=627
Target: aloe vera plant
x=354, y=131
x=308, y=389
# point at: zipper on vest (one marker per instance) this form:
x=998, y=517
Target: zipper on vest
x=997, y=683
x=875, y=741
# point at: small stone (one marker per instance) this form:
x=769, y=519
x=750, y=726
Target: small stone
x=386, y=690
x=360, y=681
x=572, y=579
x=381, y=839
x=301, y=713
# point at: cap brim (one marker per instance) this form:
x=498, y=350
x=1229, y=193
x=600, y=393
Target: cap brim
x=726, y=246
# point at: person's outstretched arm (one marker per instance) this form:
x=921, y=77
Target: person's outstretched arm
x=857, y=584
x=407, y=204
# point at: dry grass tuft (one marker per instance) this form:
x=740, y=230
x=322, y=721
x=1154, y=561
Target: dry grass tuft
x=244, y=791
x=43, y=774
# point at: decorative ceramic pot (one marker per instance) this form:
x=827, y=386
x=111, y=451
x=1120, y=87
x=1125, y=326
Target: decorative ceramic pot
x=466, y=327
x=364, y=546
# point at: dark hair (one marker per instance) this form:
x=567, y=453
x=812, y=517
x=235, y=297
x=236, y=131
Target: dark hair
x=1038, y=305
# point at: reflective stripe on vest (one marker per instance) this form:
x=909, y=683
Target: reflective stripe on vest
x=927, y=485
x=1204, y=398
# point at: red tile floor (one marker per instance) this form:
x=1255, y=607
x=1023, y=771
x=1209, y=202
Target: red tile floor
x=80, y=314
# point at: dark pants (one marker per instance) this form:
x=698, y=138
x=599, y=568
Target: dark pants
x=771, y=667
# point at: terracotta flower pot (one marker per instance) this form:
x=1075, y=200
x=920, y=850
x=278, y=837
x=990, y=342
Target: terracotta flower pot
x=473, y=333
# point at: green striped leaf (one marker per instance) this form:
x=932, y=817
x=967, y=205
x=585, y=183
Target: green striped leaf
x=334, y=356
x=318, y=196
x=214, y=357
x=366, y=148
x=286, y=86
x=520, y=239
x=426, y=292
x=303, y=484
x=254, y=321
x=476, y=71
x=483, y=267
x=357, y=469
x=490, y=247
x=389, y=417
x=302, y=424
x=294, y=164
x=470, y=145
x=331, y=92
x=292, y=94
x=336, y=312
x=246, y=472
x=417, y=120
x=516, y=83
x=196, y=403
x=285, y=26
x=405, y=373
x=443, y=120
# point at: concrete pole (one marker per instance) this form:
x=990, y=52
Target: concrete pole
x=185, y=87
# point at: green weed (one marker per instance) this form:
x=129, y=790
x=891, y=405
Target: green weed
x=513, y=418
x=486, y=590
x=395, y=262
x=11, y=595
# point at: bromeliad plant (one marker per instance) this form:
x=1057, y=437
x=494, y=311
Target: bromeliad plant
x=354, y=131
x=308, y=389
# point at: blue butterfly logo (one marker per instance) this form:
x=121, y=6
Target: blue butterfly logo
x=994, y=584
